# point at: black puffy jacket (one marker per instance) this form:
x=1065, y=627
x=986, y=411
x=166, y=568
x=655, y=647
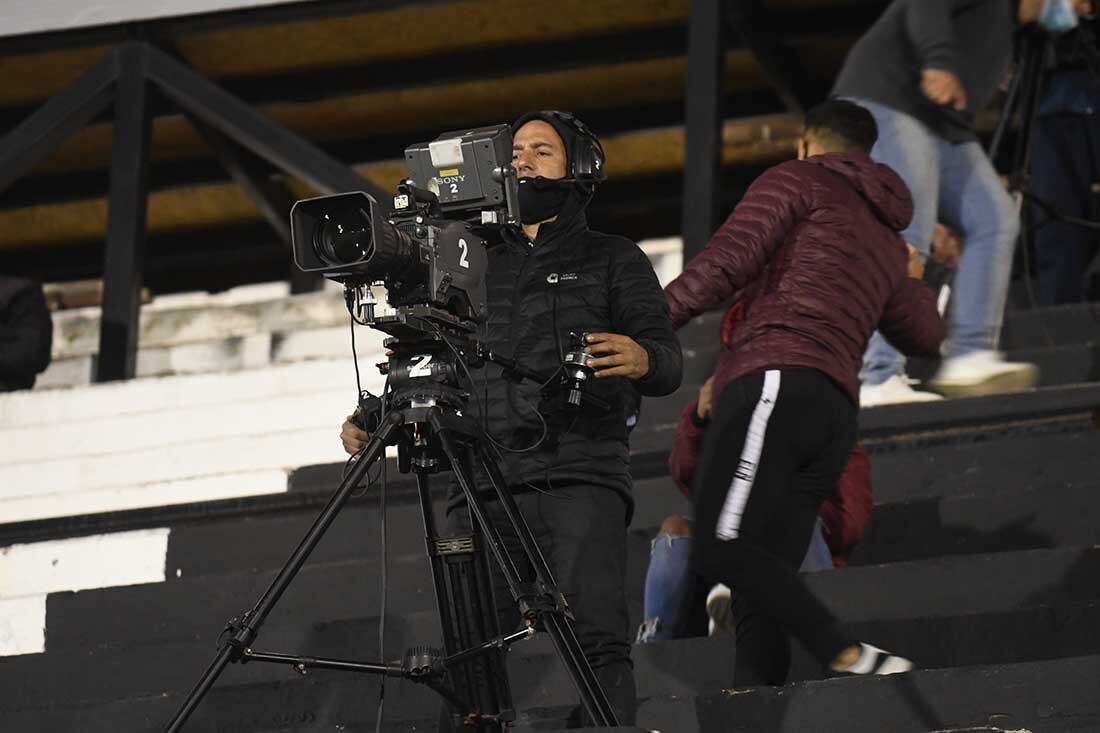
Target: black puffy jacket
x=570, y=279
x=26, y=333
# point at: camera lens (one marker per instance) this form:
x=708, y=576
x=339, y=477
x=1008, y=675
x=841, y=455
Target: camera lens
x=343, y=237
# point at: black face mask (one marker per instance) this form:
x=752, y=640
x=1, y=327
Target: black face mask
x=541, y=198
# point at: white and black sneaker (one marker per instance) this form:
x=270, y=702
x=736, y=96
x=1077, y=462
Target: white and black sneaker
x=720, y=619
x=873, y=660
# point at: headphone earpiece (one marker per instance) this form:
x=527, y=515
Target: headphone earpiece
x=587, y=159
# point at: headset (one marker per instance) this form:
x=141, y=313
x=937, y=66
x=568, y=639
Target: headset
x=586, y=159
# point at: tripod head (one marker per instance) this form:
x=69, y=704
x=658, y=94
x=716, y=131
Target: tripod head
x=429, y=351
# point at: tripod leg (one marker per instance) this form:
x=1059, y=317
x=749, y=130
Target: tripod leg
x=245, y=632
x=464, y=597
x=558, y=624
x=1006, y=111
x=555, y=622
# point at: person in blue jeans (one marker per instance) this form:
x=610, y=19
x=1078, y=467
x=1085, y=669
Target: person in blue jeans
x=923, y=70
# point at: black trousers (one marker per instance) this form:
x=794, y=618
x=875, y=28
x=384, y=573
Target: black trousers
x=581, y=531
x=777, y=444
x=1065, y=164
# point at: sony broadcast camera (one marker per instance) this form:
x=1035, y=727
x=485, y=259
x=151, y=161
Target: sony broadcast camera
x=430, y=251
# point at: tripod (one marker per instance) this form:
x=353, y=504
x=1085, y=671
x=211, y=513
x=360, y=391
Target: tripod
x=425, y=421
x=1036, y=55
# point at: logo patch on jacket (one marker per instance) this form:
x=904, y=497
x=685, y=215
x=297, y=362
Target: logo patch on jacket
x=554, y=278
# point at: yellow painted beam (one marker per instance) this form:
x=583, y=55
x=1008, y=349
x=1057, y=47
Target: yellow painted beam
x=749, y=141
x=408, y=32
x=418, y=31
x=450, y=106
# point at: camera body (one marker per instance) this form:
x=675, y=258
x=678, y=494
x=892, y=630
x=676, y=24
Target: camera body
x=430, y=251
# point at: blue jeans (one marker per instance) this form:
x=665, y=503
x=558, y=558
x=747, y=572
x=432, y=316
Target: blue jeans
x=957, y=185
x=669, y=582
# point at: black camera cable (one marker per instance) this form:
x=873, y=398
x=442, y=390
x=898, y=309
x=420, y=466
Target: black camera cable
x=481, y=405
x=353, y=300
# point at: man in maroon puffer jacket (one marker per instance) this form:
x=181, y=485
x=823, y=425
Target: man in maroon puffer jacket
x=844, y=513
x=815, y=242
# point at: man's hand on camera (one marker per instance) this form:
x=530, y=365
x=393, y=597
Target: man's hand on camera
x=353, y=437
x=619, y=356
x=943, y=87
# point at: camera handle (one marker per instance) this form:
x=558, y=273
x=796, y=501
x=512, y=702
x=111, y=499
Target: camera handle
x=512, y=367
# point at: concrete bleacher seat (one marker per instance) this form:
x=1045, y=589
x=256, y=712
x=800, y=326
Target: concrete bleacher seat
x=993, y=584
x=140, y=516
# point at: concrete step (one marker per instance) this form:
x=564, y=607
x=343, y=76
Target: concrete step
x=160, y=442
x=199, y=607
x=1045, y=514
x=99, y=402
x=1050, y=514
x=1051, y=326
x=1065, y=364
x=1056, y=696
x=316, y=705
x=1045, y=632
x=985, y=465
x=164, y=467
x=196, y=317
x=685, y=667
x=1051, y=695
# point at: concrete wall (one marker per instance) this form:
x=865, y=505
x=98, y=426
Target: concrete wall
x=18, y=18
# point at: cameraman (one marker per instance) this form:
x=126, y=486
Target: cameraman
x=569, y=470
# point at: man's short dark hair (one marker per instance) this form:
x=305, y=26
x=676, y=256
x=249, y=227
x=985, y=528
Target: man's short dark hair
x=842, y=127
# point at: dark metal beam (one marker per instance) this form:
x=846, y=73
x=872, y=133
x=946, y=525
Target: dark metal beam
x=703, y=126
x=751, y=24
x=258, y=133
x=124, y=259
x=271, y=197
x=65, y=113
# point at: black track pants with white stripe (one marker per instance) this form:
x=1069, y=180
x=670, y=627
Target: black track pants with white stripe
x=775, y=448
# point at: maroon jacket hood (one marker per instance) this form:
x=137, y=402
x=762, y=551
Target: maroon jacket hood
x=814, y=247
x=878, y=184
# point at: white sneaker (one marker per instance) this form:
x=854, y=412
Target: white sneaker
x=983, y=373
x=893, y=391
x=873, y=660
x=720, y=611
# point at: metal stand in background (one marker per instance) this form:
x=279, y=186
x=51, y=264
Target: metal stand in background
x=125, y=80
x=1024, y=98
x=425, y=421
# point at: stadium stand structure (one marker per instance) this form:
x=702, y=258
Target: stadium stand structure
x=980, y=562
x=137, y=517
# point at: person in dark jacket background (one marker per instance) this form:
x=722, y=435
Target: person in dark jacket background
x=569, y=470
x=26, y=333
x=924, y=70
x=817, y=240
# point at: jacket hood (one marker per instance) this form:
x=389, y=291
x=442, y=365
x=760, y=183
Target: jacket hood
x=878, y=184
